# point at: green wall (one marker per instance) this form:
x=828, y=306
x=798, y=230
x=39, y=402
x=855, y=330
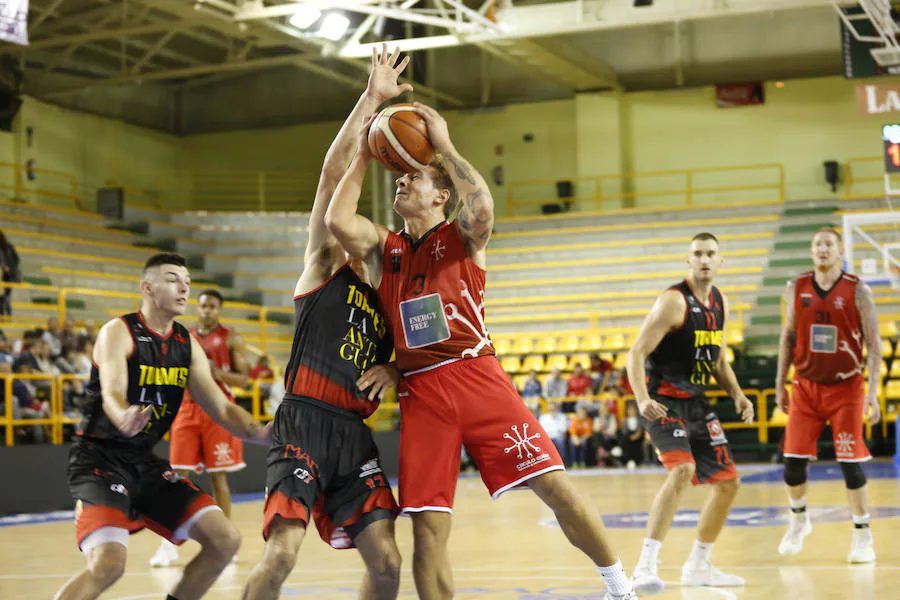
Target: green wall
x=802, y=124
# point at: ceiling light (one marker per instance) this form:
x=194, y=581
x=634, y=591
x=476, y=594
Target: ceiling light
x=305, y=17
x=334, y=26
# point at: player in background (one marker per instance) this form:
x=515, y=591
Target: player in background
x=195, y=441
x=143, y=362
x=681, y=347
x=829, y=323
x=430, y=279
x=324, y=463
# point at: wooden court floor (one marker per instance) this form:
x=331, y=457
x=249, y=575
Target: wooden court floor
x=511, y=548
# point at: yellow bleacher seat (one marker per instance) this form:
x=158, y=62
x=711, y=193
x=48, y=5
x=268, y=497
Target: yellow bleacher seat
x=729, y=355
x=502, y=346
x=887, y=350
x=547, y=344
x=593, y=341
x=523, y=345
x=734, y=336
x=615, y=341
x=519, y=381
x=892, y=389
x=511, y=364
x=790, y=373
x=580, y=359
x=555, y=361
x=607, y=356
x=533, y=361
x=888, y=329
x=571, y=343
x=895, y=369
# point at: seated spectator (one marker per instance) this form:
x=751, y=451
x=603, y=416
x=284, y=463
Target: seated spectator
x=67, y=335
x=601, y=372
x=84, y=351
x=90, y=331
x=532, y=392
x=71, y=388
x=556, y=387
x=9, y=271
x=556, y=424
x=606, y=432
x=580, y=387
x=52, y=337
x=631, y=436
x=580, y=430
x=6, y=353
x=27, y=339
x=262, y=370
x=26, y=405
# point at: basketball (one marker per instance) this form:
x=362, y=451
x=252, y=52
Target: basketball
x=398, y=139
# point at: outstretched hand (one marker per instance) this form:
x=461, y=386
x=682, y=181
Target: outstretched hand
x=383, y=79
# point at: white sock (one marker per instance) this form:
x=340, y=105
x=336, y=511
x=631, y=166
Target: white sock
x=650, y=551
x=700, y=554
x=861, y=521
x=615, y=579
x=797, y=506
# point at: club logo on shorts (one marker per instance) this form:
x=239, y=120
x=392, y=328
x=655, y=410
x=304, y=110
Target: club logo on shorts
x=171, y=476
x=119, y=489
x=522, y=442
x=369, y=468
x=223, y=453
x=844, y=444
x=679, y=433
x=303, y=475
x=715, y=430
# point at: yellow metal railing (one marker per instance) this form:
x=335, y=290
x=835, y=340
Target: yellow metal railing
x=48, y=186
x=683, y=187
x=864, y=177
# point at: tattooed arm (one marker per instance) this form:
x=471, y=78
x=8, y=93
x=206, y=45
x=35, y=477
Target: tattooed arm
x=476, y=213
x=865, y=305
x=786, y=348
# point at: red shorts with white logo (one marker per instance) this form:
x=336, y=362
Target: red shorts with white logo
x=197, y=443
x=471, y=402
x=813, y=404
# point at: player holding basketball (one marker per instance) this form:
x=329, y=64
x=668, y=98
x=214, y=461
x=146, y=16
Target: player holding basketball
x=143, y=362
x=681, y=347
x=196, y=442
x=430, y=278
x=829, y=323
x=324, y=461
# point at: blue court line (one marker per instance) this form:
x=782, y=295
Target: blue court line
x=824, y=472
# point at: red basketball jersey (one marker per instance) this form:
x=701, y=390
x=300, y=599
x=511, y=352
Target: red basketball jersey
x=829, y=338
x=433, y=294
x=215, y=344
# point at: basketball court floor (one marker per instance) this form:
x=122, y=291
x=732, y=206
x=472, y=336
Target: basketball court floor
x=512, y=548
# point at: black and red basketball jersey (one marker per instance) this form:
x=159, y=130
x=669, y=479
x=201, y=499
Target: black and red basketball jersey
x=829, y=338
x=433, y=294
x=158, y=370
x=683, y=365
x=340, y=333
x=215, y=345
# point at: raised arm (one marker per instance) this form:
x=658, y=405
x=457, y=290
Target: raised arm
x=666, y=315
x=206, y=392
x=323, y=254
x=727, y=379
x=786, y=347
x=114, y=345
x=476, y=213
x=868, y=318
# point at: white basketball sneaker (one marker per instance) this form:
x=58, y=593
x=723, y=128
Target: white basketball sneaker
x=704, y=574
x=861, y=547
x=628, y=596
x=646, y=579
x=798, y=528
x=165, y=555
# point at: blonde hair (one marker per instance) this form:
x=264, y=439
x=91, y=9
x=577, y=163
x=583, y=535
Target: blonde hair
x=443, y=181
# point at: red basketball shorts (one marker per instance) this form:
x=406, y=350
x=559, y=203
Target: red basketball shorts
x=197, y=443
x=471, y=402
x=813, y=404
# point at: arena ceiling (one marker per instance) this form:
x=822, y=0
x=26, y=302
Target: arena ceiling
x=188, y=66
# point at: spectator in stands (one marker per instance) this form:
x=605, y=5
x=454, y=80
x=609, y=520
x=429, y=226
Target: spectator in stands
x=28, y=406
x=263, y=372
x=556, y=387
x=580, y=386
x=606, y=434
x=19, y=346
x=90, y=331
x=631, y=437
x=602, y=371
x=67, y=335
x=9, y=269
x=556, y=424
x=580, y=430
x=52, y=337
x=84, y=350
x=6, y=353
x=531, y=393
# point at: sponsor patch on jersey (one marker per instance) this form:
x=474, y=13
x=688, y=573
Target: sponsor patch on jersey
x=823, y=339
x=424, y=321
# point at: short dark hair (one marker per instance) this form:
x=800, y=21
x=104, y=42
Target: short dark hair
x=832, y=231
x=703, y=236
x=213, y=294
x=165, y=258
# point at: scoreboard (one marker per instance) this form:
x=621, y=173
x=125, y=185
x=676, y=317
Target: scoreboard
x=890, y=136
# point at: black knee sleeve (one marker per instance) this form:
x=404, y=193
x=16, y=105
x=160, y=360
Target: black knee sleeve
x=795, y=470
x=853, y=475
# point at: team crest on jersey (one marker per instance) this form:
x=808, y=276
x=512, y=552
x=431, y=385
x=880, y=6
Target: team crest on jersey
x=839, y=303
x=395, y=259
x=438, y=250
x=805, y=300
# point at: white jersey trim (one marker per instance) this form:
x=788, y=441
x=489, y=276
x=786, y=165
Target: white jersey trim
x=432, y=367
